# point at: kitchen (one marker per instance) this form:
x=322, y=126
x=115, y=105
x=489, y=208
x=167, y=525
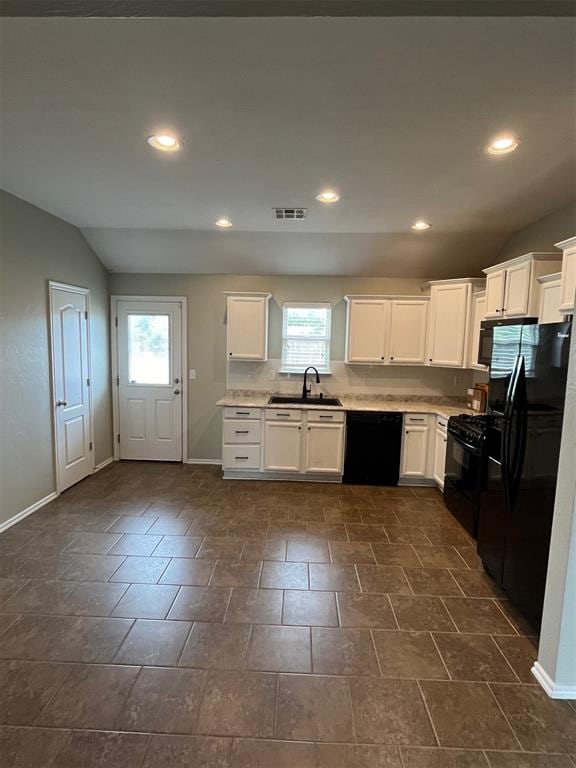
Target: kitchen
x=288, y=403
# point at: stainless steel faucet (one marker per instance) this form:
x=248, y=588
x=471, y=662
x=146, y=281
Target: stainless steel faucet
x=305, y=388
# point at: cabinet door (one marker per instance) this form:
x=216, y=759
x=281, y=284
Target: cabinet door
x=440, y=456
x=323, y=452
x=517, y=290
x=495, y=294
x=247, y=327
x=414, y=451
x=478, y=314
x=550, y=299
x=568, y=280
x=365, y=333
x=448, y=325
x=283, y=446
x=408, y=326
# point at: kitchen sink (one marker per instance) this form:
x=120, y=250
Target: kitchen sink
x=299, y=400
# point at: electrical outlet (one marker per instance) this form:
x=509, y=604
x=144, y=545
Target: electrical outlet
x=272, y=374
x=192, y=374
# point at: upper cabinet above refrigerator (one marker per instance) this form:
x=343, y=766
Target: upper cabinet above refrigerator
x=568, y=280
x=512, y=288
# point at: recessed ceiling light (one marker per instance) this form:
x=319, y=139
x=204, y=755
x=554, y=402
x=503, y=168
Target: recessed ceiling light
x=164, y=142
x=328, y=196
x=502, y=145
x=421, y=225
x=223, y=223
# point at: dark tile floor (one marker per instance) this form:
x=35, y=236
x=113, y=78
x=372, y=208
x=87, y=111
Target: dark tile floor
x=155, y=615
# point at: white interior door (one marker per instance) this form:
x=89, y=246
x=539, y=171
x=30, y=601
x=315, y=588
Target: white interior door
x=150, y=380
x=71, y=384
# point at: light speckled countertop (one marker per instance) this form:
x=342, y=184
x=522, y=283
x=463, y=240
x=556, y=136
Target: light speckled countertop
x=445, y=407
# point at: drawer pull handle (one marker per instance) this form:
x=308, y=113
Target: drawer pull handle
x=414, y=419
x=327, y=417
x=283, y=414
x=241, y=431
x=242, y=413
x=241, y=457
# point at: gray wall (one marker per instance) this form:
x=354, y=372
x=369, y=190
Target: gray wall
x=542, y=234
x=36, y=247
x=207, y=330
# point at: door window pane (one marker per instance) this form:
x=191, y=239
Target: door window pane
x=149, y=349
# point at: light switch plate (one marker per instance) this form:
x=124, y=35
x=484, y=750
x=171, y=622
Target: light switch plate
x=192, y=374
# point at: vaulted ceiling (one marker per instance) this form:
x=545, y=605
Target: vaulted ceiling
x=393, y=112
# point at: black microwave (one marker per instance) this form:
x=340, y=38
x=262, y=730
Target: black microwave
x=487, y=331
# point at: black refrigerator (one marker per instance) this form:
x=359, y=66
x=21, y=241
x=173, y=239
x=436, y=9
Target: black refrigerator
x=526, y=407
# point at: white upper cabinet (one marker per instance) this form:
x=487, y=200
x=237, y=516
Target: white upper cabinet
x=247, y=326
x=550, y=298
x=512, y=288
x=382, y=330
x=477, y=315
x=366, y=330
x=495, y=294
x=449, y=310
x=407, y=334
x=568, y=280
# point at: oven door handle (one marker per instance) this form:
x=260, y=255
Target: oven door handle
x=464, y=444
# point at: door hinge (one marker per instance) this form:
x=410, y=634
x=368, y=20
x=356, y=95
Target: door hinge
x=85, y=314
x=116, y=322
x=90, y=446
x=118, y=437
x=117, y=381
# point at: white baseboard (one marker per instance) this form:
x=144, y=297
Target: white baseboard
x=103, y=464
x=28, y=511
x=215, y=462
x=550, y=687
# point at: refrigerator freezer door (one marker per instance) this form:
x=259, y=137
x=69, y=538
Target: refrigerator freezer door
x=505, y=350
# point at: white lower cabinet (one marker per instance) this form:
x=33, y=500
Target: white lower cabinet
x=415, y=446
x=441, y=438
x=323, y=449
x=283, y=446
x=312, y=444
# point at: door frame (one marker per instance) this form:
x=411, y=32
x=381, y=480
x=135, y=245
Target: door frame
x=114, y=299
x=57, y=285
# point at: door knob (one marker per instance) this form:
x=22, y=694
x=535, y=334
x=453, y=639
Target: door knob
x=176, y=391
x=61, y=403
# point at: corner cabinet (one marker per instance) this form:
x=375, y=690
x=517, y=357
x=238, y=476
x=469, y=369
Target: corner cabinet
x=386, y=330
x=247, y=326
x=512, y=288
x=450, y=305
x=568, y=279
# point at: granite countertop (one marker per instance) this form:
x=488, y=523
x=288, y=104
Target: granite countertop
x=438, y=406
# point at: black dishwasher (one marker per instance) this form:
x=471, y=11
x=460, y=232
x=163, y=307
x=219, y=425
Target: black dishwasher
x=373, y=443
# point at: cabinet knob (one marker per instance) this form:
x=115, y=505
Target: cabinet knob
x=308, y=429
x=382, y=358
x=429, y=359
x=299, y=427
x=391, y=357
x=230, y=353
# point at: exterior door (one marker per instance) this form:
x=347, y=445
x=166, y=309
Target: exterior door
x=69, y=309
x=150, y=380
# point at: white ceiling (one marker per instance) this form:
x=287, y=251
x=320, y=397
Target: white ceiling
x=393, y=112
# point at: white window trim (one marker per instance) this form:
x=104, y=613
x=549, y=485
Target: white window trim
x=327, y=370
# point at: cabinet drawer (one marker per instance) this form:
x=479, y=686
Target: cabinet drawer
x=286, y=414
x=419, y=419
x=239, y=431
x=241, y=457
x=441, y=423
x=328, y=417
x=242, y=413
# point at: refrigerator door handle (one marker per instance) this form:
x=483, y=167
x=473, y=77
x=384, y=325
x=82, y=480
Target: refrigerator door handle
x=511, y=395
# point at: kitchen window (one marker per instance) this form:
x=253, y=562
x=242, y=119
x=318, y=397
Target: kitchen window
x=306, y=336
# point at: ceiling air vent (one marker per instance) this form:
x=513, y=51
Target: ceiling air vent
x=290, y=214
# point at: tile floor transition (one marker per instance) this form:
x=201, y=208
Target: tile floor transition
x=157, y=616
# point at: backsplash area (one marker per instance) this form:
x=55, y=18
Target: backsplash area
x=353, y=379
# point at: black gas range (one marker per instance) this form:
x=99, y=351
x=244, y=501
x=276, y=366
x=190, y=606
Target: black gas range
x=465, y=468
